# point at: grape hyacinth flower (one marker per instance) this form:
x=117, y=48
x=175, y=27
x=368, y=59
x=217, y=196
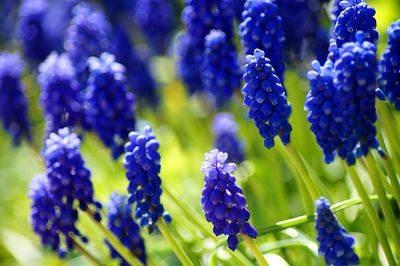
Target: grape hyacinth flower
x=223, y=201
x=110, y=106
x=69, y=178
x=221, y=73
x=121, y=223
x=334, y=243
x=87, y=35
x=355, y=78
x=32, y=35
x=61, y=96
x=389, y=66
x=8, y=18
x=142, y=164
x=13, y=102
x=226, y=137
x=53, y=224
x=356, y=16
x=156, y=19
x=266, y=97
x=137, y=71
x=262, y=28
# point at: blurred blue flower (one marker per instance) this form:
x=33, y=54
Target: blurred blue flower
x=8, y=19
x=110, y=106
x=221, y=72
x=266, y=97
x=61, y=96
x=13, y=102
x=334, y=243
x=222, y=200
x=389, y=66
x=142, y=164
x=226, y=137
x=121, y=223
x=262, y=28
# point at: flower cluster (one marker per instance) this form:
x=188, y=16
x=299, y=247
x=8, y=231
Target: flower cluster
x=69, y=179
x=13, y=102
x=155, y=17
x=61, y=97
x=334, y=243
x=356, y=16
x=137, y=71
x=54, y=224
x=121, y=223
x=262, y=28
x=87, y=35
x=32, y=35
x=200, y=17
x=389, y=66
x=109, y=103
x=226, y=137
x=221, y=73
x=142, y=164
x=222, y=200
x=266, y=97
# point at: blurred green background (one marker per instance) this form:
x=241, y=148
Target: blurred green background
x=183, y=126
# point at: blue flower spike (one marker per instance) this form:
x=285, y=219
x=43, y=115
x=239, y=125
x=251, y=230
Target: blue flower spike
x=222, y=199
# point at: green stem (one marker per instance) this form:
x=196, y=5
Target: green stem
x=115, y=243
x=81, y=249
x=383, y=200
x=372, y=215
x=179, y=251
x=255, y=250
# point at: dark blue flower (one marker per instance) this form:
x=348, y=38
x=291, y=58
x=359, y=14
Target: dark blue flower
x=142, y=164
x=266, y=97
x=8, y=18
x=34, y=40
x=110, y=106
x=389, y=66
x=334, y=243
x=355, y=78
x=262, y=28
x=54, y=224
x=13, y=102
x=137, y=71
x=226, y=137
x=61, y=96
x=118, y=9
x=121, y=223
x=156, y=19
x=87, y=35
x=69, y=178
x=221, y=73
x=222, y=200
x=356, y=16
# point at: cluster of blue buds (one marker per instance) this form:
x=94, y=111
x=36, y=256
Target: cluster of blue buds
x=87, y=35
x=142, y=164
x=53, y=224
x=356, y=16
x=31, y=32
x=110, y=106
x=389, y=66
x=266, y=97
x=200, y=17
x=61, y=97
x=226, y=137
x=139, y=76
x=221, y=73
x=13, y=102
x=121, y=223
x=156, y=19
x=334, y=243
x=69, y=178
x=223, y=201
x=262, y=28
